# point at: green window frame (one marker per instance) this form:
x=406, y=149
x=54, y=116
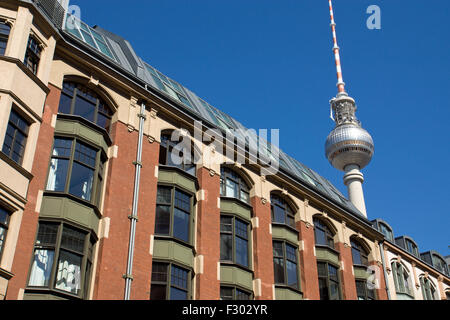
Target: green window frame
x=232, y=185
x=402, y=279
x=5, y=216
x=428, y=289
x=329, y=281
x=76, y=168
x=174, y=209
x=234, y=293
x=285, y=264
x=234, y=240
x=16, y=136
x=281, y=211
x=170, y=281
x=33, y=54
x=62, y=259
x=77, y=99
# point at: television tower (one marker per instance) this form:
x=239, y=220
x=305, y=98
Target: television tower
x=349, y=147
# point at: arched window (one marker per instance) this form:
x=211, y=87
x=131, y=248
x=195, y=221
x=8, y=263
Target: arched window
x=176, y=153
x=233, y=186
x=411, y=247
x=440, y=264
x=323, y=234
x=386, y=231
x=77, y=99
x=428, y=289
x=359, y=254
x=402, y=280
x=5, y=29
x=281, y=211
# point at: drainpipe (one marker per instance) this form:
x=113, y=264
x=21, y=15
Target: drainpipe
x=384, y=271
x=133, y=217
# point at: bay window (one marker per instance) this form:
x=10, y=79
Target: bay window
x=323, y=234
x=285, y=264
x=233, y=186
x=281, y=211
x=234, y=240
x=169, y=282
x=173, y=153
x=328, y=281
x=76, y=168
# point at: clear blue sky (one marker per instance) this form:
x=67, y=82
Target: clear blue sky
x=269, y=64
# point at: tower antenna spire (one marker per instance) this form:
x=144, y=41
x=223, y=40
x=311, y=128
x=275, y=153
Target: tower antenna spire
x=340, y=83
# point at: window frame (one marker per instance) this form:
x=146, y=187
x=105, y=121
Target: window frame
x=327, y=279
x=90, y=241
x=5, y=226
x=233, y=241
x=366, y=295
x=403, y=284
x=288, y=212
x=242, y=186
x=414, y=249
x=235, y=290
x=285, y=259
x=428, y=289
x=357, y=247
x=100, y=162
x=168, y=283
x=328, y=232
x=19, y=115
x=172, y=206
x=33, y=54
x=168, y=144
x=74, y=96
x=4, y=36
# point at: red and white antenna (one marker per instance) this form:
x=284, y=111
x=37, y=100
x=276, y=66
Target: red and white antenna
x=340, y=83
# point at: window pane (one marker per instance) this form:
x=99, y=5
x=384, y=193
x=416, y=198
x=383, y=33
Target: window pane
x=162, y=220
x=278, y=214
x=332, y=271
x=361, y=289
x=182, y=200
x=292, y=275
x=323, y=289
x=85, y=154
x=231, y=189
x=2, y=237
x=3, y=44
x=81, y=181
x=73, y=239
x=278, y=270
x=241, y=295
x=181, y=225
x=68, y=275
x=291, y=253
x=356, y=256
x=226, y=241
x=47, y=234
x=278, y=249
x=62, y=147
x=164, y=195
x=4, y=216
x=226, y=224
x=179, y=277
x=57, y=175
x=41, y=268
x=159, y=272
x=103, y=121
x=84, y=108
x=158, y=292
x=163, y=154
x=241, y=229
x=245, y=196
x=226, y=293
x=320, y=237
x=65, y=103
x=242, y=252
x=334, y=291
x=177, y=294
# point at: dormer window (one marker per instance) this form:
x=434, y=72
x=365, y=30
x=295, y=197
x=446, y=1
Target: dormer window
x=411, y=247
x=384, y=229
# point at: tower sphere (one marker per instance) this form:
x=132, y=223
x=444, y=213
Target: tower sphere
x=349, y=144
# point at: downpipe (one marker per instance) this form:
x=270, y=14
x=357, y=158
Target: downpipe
x=133, y=217
x=384, y=271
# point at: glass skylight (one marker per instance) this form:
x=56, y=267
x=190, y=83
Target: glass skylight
x=169, y=86
x=88, y=35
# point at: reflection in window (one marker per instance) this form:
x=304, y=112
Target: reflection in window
x=66, y=245
x=285, y=263
x=79, y=100
x=386, y=231
x=33, y=55
x=4, y=225
x=173, y=212
x=234, y=240
x=233, y=186
x=72, y=169
x=169, y=282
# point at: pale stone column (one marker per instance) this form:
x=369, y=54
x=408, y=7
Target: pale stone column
x=354, y=179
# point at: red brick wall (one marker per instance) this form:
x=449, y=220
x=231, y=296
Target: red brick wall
x=381, y=292
x=208, y=236
x=308, y=263
x=263, y=250
x=28, y=228
x=113, y=251
x=348, y=284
